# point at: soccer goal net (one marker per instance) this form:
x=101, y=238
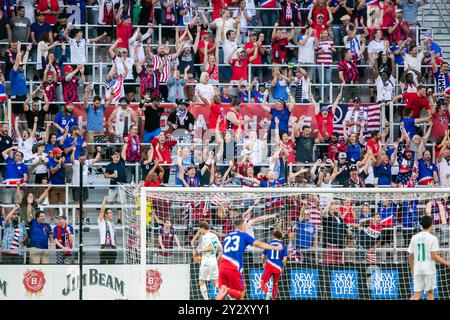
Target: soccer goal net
x=340, y=243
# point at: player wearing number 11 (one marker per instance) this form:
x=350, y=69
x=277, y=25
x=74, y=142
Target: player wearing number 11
x=422, y=256
x=231, y=281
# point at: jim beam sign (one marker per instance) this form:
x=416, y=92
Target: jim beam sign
x=94, y=278
x=34, y=282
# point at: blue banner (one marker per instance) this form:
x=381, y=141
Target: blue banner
x=304, y=284
x=255, y=285
x=384, y=284
x=344, y=284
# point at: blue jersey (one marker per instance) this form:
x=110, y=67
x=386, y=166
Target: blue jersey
x=304, y=235
x=274, y=257
x=234, y=246
x=426, y=170
x=442, y=81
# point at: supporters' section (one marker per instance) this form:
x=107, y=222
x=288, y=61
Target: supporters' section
x=345, y=244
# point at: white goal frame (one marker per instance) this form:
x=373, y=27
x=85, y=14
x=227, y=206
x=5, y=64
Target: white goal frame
x=144, y=191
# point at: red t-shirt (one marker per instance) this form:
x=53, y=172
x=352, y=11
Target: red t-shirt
x=318, y=28
x=150, y=183
x=279, y=50
x=201, y=45
x=124, y=33
x=329, y=118
x=250, y=45
x=416, y=103
x=290, y=147
x=388, y=16
x=323, y=11
x=164, y=151
x=218, y=5
x=239, y=69
x=440, y=124
x=374, y=146
x=215, y=112
x=349, y=219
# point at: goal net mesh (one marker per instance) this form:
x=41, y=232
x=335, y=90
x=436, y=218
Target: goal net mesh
x=340, y=245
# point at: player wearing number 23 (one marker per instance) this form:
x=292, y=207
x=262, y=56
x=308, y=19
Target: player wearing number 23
x=231, y=281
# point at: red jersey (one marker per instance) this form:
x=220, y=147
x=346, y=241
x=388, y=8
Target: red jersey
x=329, y=126
x=374, y=146
x=163, y=151
x=324, y=12
x=201, y=45
x=349, y=219
x=230, y=124
x=416, y=103
x=440, y=124
x=239, y=69
x=70, y=88
x=50, y=90
x=124, y=33
x=150, y=183
x=289, y=148
x=215, y=112
x=218, y=5
x=388, y=17
x=250, y=45
x=279, y=50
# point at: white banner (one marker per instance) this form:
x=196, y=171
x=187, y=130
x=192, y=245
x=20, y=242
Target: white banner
x=100, y=282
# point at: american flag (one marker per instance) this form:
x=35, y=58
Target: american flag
x=373, y=117
x=114, y=87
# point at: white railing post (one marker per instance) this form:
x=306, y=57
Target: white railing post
x=322, y=82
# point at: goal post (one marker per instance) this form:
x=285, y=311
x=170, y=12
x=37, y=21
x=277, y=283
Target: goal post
x=342, y=243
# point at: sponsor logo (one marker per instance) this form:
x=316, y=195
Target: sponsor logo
x=384, y=284
x=154, y=281
x=213, y=290
x=33, y=281
x=255, y=285
x=344, y=284
x=304, y=284
x=96, y=278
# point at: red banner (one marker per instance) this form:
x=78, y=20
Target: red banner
x=201, y=114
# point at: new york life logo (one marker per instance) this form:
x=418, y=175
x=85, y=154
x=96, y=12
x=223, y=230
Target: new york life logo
x=255, y=284
x=304, y=284
x=424, y=294
x=344, y=284
x=213, y=290
x=384, y=284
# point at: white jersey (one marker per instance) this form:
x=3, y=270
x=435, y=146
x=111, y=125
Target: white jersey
x=209, y=258
x=121, y=114
x=421, y=245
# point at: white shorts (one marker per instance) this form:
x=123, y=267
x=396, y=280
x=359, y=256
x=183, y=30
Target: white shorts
x=209, y=272
x=424, y=282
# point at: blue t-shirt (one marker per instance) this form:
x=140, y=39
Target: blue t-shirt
x=267, y=184
x=274, y=257
x=14, y=171
x=304, y=235
x=283, y=116
x=398, y=58
x=95, y=118
x=59, y=177
x=39, y=234
x=234, y=246
x=49, y=147
x=18, y=84
x=63, y=121
x=63, y=232
x=258, y=96
x=384, y=174
x=78, y=151
x=40, y=29
x=279, y=92
x=409, y=126
x=410, y=217
x=225, y=100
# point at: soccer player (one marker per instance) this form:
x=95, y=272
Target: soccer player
x=274, y=261
x=210, y=248
x=422, y=256
x=231, y=281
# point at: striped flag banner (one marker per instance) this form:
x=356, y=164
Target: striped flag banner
x=373, y=114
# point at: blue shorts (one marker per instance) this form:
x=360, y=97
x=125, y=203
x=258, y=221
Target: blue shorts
x=148, y=136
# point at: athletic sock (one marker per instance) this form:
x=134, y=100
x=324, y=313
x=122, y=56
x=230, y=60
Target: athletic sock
x=204, y=291
x=274, y=291
x=264, y=287
x=236, y=294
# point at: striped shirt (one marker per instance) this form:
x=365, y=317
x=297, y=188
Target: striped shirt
x=50, y=91
x=166, y=71
x=350, y=69
x=313, y=211
x=70, y=88
x=324, y=53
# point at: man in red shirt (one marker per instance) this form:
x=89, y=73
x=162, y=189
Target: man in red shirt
x=440, y=120
x=239, y=66
x=154, y=179
x=416, y=101
x=325, y=117
x=374, y=143
x=205, y=41
x=124, y=28
x=163, y=146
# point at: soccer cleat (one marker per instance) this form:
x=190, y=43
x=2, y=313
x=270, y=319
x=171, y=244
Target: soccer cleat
x=269, y=296
x=222, y=293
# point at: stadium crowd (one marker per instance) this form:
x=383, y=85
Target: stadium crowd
x=202, y=57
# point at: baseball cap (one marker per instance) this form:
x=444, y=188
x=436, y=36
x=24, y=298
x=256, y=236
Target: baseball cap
x=148, y=65
x=325, y=108
x=345, y=17
x=67, y=68
x=204, y=33
x=353, y=168
x=123, y=50
x=125, y=17
x=123, y=99
x=240, y=50
x=342, y=155
x=56, y=151
x=398, y=10
x=427, y=36
x=63, y=217
x=407, y=150
x=183, y=102
x=356, y=99
x=320, y=15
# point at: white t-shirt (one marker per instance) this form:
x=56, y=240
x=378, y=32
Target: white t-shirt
x=229, y=25
x=354, y=44
x=206, y=90
x=78, y=50
x=40, y=168
x=256, y=152
x=355, y=116
x=304, y=83
x=385, y=91
x=250, y=5
x=76, y=172
x=26, y=147
x=421, y=245
x=376, y=46
x=444, y=169
x=228, y=47
x=102, y=231
x=306, y=53
x=209, y=258
x=121, y=69
x=414, y=63
x=40, y=54
x=243, y=19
